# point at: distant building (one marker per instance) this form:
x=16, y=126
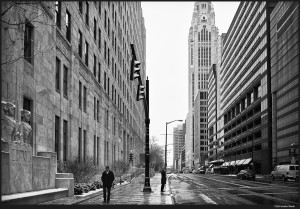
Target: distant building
x=69, y=65
x=200, y=128
x=178, y=143
x=202, y=46
x=285, y=82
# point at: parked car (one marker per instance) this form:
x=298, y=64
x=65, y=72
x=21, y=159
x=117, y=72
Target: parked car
x=246, y=174
x=224, y=170
x=202, y=170
x=286, y=172
x=210, y=170
x=194, y=171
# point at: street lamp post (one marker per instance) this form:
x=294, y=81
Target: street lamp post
x=167, y=140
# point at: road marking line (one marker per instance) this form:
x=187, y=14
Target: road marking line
x=207, y=199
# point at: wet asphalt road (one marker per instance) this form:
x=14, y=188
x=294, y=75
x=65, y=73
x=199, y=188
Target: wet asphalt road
x=198, y=189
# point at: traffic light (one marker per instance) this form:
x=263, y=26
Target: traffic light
x=140, y=92
x=131, y=157
x=134, y=69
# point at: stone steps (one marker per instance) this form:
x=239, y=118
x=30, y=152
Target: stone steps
x=35, y=197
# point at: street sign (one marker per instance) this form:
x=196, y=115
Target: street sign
x=292, y=152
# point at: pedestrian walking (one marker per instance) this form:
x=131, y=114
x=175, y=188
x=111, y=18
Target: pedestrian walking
x=107, y=181
x=163, y=179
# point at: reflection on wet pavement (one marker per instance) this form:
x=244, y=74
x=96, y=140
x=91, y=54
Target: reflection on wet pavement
x=198, y=189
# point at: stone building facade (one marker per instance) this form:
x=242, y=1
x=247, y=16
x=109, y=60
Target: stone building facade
x=68, y=63
x=202, y=45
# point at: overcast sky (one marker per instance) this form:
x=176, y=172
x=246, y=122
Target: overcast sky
x=167, y=27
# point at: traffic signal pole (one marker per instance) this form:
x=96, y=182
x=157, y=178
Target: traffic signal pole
x=141, y=94
x=147, y=187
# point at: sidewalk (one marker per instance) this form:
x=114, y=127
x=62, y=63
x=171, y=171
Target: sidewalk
x=125, y=194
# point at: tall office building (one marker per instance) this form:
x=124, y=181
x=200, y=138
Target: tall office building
x=202, y=45
x=245, y=89
x=285, y=82
x=68, y=63
x=178, y=143
x=216, y=149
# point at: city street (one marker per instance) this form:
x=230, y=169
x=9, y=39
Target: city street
x=198, y=189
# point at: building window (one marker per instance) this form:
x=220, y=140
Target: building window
x=98, y=148
x=95, y=28
x=68, y=25
x=84, y=146
x=95, y=150
x=107, y=119
x=95, y=66
x=65, y=135
x=58, y=14
x=108, y=56
x=57, y=75
x=94, y=108
x=105, y=50
x=80, y=44
x=99, y=31
x=87, y=14
x=28, y=42
x=104, y=80
x=65, y=81
x=79, y=144
x=80, y=7
x=108, y=86
x=84, y=98
x=98, y=108
x=57, y=138
x=86, y=52
x=80, y=95
x=108, y=28
x=105, y=16
x=99, y=72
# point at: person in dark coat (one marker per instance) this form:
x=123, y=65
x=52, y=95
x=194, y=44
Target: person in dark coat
x=107, y=181
x=163, y=179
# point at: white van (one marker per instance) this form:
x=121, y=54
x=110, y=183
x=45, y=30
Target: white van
x=286, y=172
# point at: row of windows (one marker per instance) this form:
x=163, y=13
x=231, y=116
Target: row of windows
x=240, y=106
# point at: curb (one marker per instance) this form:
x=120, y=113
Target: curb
x=171, y=194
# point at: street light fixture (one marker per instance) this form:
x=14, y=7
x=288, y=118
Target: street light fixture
x=167, y=140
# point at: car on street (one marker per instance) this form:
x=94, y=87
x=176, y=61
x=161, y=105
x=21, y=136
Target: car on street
x=246, y=174
x=285, y=172
x=202, y=170
x=209, y=170
x=194, y=171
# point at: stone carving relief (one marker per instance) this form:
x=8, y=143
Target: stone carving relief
x=9, y=124
x=27, y=130
x=15, y=131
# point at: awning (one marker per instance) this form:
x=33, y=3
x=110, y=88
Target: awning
x=241, y=162
x=237, y=162
x=232, y=163
x=247, y=161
